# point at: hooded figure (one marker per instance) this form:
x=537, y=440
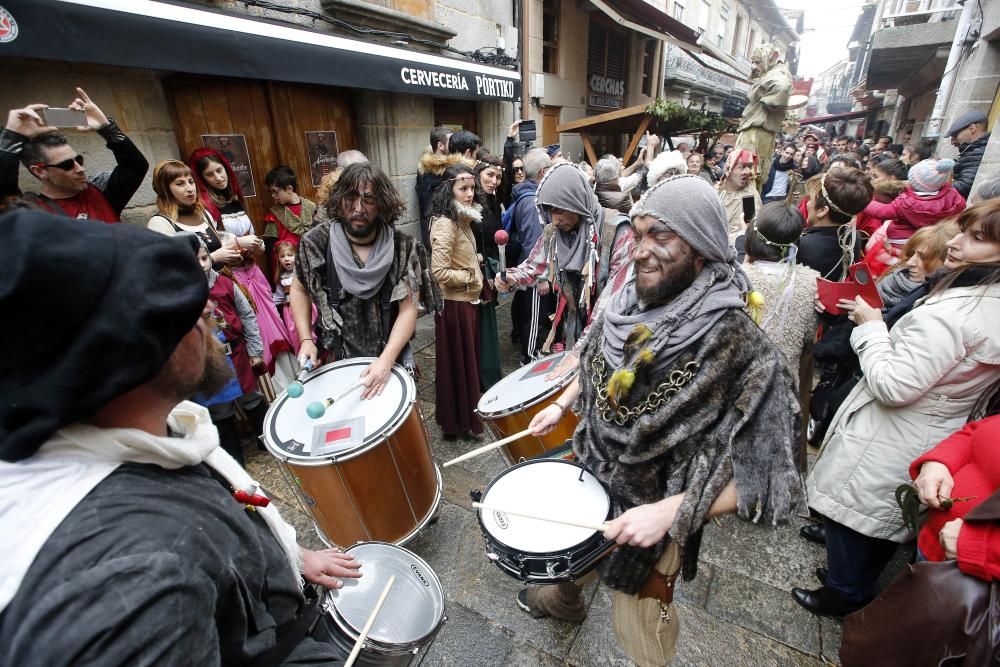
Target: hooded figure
x=767, y=104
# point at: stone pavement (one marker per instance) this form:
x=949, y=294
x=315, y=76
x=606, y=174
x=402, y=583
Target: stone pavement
x=738, y=611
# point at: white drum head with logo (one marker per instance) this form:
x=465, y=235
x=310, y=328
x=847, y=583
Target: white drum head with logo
x=349, y=425
x=524, y=387
x=414, y=607
x=551, y=488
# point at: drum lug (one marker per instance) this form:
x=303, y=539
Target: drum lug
x=476, y=496
x=492, y=556
x=550, y=569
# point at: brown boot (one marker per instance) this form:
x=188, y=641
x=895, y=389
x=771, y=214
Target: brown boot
x=563, y=601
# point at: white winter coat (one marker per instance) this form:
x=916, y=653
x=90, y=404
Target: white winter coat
x=921, y=381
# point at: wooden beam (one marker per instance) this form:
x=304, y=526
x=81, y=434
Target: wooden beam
x=632, y=145
x=589, y=121
x=589, y=147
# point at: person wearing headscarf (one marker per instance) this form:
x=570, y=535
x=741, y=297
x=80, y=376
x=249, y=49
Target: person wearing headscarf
x=687, y=410
x=766, y=105
x=367, y=281
x=127, y=538
x=580, y=247
x=736, y=190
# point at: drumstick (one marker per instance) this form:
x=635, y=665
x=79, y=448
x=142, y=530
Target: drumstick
x=368, y=625
x=317, y=409
x=601, y=527
x=488, y=448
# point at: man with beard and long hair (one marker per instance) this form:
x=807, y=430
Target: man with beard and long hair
x=687, y=410
x=367, y=281
x=128, y=539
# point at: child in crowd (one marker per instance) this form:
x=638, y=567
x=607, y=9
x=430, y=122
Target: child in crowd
x=928, y=198
x=284, y=273
x=223, y=200
x=290, y=217
x=830, y=244
x=236, y=321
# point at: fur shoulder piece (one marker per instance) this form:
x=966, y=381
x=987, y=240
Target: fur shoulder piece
x=432, y=163
x=891, y=188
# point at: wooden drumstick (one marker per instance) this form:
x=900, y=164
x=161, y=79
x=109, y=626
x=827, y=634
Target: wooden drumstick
x=356, y=651
x=599, y=527
x=317, y=409
x=488, y=448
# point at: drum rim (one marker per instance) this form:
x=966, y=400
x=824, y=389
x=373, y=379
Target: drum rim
x=397, y=419
x=530, y=403
x=380, y=646
x=541, y=554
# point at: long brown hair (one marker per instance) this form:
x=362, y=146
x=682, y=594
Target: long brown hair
x=986, y=215
x=165, y=173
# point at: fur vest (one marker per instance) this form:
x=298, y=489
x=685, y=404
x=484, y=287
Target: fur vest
x=736, y=416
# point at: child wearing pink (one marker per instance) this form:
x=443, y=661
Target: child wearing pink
x=285, y=253
x=928, y=199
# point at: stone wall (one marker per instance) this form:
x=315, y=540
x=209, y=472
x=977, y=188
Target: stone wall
x=134, y=98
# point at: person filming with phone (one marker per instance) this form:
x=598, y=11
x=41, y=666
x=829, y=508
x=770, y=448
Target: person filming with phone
x=31, y=137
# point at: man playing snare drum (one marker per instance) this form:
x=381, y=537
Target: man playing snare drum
x=367, y=281
x=686, y=411
x=130, y=536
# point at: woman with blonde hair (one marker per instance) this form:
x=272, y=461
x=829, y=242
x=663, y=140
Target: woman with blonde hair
x=179, y=209
x=923, y=254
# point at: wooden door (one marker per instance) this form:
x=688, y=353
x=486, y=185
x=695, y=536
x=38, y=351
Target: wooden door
x=455, y=115
x=274, y=117
x=550, y=120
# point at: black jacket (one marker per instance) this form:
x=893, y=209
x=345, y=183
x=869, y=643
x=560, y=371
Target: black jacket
x=967, y=164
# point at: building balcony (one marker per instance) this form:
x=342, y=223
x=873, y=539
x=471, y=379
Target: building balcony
x=910, y=51
x=680, y=70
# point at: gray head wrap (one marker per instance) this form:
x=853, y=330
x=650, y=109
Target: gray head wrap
x=691, y=208
x=565, y=187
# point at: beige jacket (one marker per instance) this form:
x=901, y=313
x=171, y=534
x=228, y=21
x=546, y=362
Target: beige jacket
x=921, y=381
x=454, y=262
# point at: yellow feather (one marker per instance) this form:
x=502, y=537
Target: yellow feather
x=755, y=306
x=619, y=385
x=644, y=357
x=639, y=335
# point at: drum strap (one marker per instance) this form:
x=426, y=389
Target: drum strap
x=659, y=586
x=292, y=633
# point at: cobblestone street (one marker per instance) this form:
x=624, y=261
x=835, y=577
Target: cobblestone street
x=737, y=612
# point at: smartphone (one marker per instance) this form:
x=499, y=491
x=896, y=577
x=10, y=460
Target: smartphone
x=63, y=117
x=526, y=131
x=749, y=208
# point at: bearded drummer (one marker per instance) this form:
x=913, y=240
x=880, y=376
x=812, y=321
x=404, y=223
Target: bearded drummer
x=687, y=411
x=367, y=281
x=130, y=536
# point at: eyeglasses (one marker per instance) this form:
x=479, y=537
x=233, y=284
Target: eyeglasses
x=518, y=169
x=65, y=165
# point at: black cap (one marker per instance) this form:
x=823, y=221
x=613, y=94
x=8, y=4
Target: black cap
x=91, y=311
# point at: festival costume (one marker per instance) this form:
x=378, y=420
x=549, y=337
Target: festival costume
x=732, y=202
x=766, y=106
x=682, y=398
x=350, y=325
x=455, y=266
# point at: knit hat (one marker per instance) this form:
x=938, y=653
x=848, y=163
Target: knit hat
x=91, y=311
x=552, y=149
x=930, y=175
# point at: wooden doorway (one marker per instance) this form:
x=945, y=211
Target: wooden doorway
x=455, y=115
x=550, y=121
x=273, y=116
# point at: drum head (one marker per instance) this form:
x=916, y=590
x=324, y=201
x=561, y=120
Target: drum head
x=350, y=424
x=550, y=487
x=414, y=607
x=524, y=387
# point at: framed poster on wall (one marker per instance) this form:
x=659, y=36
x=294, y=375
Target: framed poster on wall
x=234, y=148
x=321, y=146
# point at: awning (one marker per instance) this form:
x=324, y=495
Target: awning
x=847, y=115
x=181, y=37
x=644, y=18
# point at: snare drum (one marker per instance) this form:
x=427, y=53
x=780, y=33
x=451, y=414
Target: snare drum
x=509, y=406
x=364, y=470
x=543, y=552
x=409, y=620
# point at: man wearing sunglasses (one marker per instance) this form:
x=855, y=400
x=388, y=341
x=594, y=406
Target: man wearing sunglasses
x=65, y=189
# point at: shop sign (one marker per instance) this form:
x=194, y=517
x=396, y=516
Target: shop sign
x=606, y=92
x=486, y=86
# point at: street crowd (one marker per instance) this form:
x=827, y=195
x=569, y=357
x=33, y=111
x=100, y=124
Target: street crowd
x=841, y=294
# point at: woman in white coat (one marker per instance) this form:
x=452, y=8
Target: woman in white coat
x=921, y=381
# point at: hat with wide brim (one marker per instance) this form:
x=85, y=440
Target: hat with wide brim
x=91, y=311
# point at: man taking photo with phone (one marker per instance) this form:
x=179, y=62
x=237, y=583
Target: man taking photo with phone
x=46, y=153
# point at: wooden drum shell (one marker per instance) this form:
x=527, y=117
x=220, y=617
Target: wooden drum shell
x=532, y=445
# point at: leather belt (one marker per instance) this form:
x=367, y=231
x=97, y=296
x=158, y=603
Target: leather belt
x=659, y=586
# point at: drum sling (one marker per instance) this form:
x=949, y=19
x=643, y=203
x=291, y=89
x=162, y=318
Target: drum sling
x=290, y=634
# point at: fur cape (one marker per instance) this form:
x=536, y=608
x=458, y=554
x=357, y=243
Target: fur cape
x=432, y=163
x=737, y=417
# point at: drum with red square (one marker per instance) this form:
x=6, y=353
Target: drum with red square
x=509, y=406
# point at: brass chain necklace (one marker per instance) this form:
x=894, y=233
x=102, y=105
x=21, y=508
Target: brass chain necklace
x=623, y=415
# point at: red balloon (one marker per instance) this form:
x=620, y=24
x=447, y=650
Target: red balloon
x=500, y=237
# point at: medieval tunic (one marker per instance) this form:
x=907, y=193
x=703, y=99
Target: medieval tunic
x=734, y=417
x=355, y=329
x=156, y=567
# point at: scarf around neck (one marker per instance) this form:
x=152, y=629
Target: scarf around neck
x=565, y=188
x=362, y=281
x=675, y=325
x=38, y=493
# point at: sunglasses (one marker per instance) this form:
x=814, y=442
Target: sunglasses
x=518, y=169
x=65, y=165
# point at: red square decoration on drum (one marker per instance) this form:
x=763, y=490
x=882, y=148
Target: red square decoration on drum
x=338, y=436
x=543, y=367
